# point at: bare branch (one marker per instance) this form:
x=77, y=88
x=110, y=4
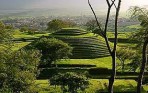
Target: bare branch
x=107, y=43
x=95, y=16
x=107, y=19
x=108, y=13
x=113, y=3
x=108, y=3
x=116, y=25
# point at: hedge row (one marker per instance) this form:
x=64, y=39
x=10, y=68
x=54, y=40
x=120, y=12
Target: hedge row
x=123, y=40
x=99, y=71
x=96, y=73
x=106, y=71
x=68, y=65
x=47, y=73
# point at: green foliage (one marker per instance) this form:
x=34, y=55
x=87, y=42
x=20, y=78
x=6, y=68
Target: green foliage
x=124, y=54
x=135, y=62
x=70, y=82
x=142, y=15
x=18, y=70
x=32, y=31
x=57, y=24
x=95, y=86
x=5, y=33
x=24, y=29
x=142, y=35
x=91, y=25
x=52, y=49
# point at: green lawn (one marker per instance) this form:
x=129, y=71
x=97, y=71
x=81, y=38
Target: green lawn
x=122, y=35
x=19, y=45
x=25, y=35
x=96, y=85
x=134, y=26
x=130, y=45
x=104, y=62
x=99, y=62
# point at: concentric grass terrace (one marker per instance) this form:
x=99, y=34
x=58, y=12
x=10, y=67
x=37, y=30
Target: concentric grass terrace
x=85, y=44
x=89, y=53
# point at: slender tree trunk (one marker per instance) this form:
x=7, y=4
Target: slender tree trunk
x=123, y=66
x=103, y=33
x=144, y=62
x=112, y=78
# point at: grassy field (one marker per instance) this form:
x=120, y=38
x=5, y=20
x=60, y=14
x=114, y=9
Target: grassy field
x=134, y=26
x=104, y=62
x=130, y=45
x=95, y=86
x=19, y=45
x=122, y=35
x=18, y=35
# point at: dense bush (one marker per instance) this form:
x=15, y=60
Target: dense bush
x=98, y=71
x=52, y=49
x=57, y=24
x=5, y=33
x=70, y=82
x=47, y=73
x=18, y=70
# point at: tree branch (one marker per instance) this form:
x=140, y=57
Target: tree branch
x=108, y=3
x=116, y=25
x=113, y=2
x=95, y=16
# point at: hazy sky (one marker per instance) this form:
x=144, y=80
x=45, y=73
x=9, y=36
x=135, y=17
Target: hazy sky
x=71, y=4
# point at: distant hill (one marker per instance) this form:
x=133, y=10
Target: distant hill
x=40, y=12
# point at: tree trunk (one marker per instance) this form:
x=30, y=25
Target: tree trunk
x=112, y=78
x=123, y=66
x=144, y=62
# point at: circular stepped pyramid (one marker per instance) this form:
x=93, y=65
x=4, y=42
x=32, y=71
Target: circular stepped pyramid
x=84, y=46
x=70, y=31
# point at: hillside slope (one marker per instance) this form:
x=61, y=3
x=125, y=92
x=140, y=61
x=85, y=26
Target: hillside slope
x=85, y=44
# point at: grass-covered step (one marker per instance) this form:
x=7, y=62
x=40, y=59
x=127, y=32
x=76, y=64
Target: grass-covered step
x=84, y=46
x=95, y=73
x=70, y=31
x=68, y=65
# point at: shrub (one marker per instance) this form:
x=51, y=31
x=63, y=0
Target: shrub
x=98, y=71
x=52, y=49
x=70, y=82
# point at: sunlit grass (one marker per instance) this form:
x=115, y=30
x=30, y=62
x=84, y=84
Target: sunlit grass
x=123, y=35
x=134, y=26
x=95, y=86
x=104, y=62
x=19, y=45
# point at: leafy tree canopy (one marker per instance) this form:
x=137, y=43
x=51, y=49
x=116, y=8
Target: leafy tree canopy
x=5, y=33
x=52, y=49
x=70, y=82
x=57, y=24
x=18, y=70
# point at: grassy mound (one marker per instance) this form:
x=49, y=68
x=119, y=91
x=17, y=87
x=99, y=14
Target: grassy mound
x=70, y=31
x=85, y=45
